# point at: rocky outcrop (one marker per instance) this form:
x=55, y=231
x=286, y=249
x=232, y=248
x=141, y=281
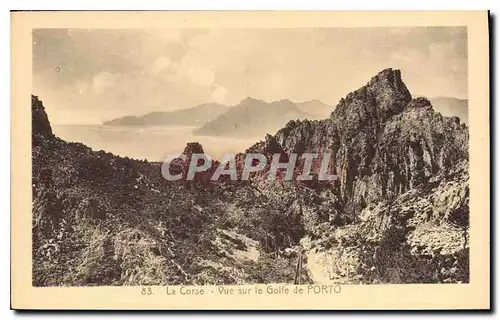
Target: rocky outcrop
x=403, y=171
x=383, y=142
x=40, y=125
x=421, y=236
x=193, y=147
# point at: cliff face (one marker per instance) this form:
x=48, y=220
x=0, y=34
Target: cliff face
x=383, y=142
x=421, y=236
x=39, y=121
x=403, y=188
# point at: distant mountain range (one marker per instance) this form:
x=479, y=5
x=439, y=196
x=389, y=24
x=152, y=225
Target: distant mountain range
x=254, y=117
x=451, y=107
x=251, y=117
x=195, y=116
x=317, y=109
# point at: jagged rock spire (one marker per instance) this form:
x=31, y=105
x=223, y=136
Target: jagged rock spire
x=384, y=95
x=193, y=147
x=383, y=142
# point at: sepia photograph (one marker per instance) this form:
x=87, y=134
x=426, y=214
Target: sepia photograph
x=197, y=158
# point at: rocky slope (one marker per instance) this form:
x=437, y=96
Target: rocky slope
x=419, y=237
x=195, y=116
x=100, y=219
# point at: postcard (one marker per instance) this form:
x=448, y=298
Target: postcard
x=278, y=160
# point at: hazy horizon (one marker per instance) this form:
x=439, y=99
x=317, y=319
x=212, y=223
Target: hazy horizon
x=91, y=76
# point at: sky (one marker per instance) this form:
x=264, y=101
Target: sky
x=94, y=75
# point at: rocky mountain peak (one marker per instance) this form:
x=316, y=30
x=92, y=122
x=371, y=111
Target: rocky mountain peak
x=383, y=142
x=389, y=76
x=384, y=95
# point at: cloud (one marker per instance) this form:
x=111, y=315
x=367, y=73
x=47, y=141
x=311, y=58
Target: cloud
x=200, y=75
x=445, y=55
x=110, y=72
x=219, y=94
x=171, y=34
x=441, y=69
x=192, y=70
x=161, y=64
x=202, y=42
x=81, y=87
x=102, y=81
x=197, y=71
